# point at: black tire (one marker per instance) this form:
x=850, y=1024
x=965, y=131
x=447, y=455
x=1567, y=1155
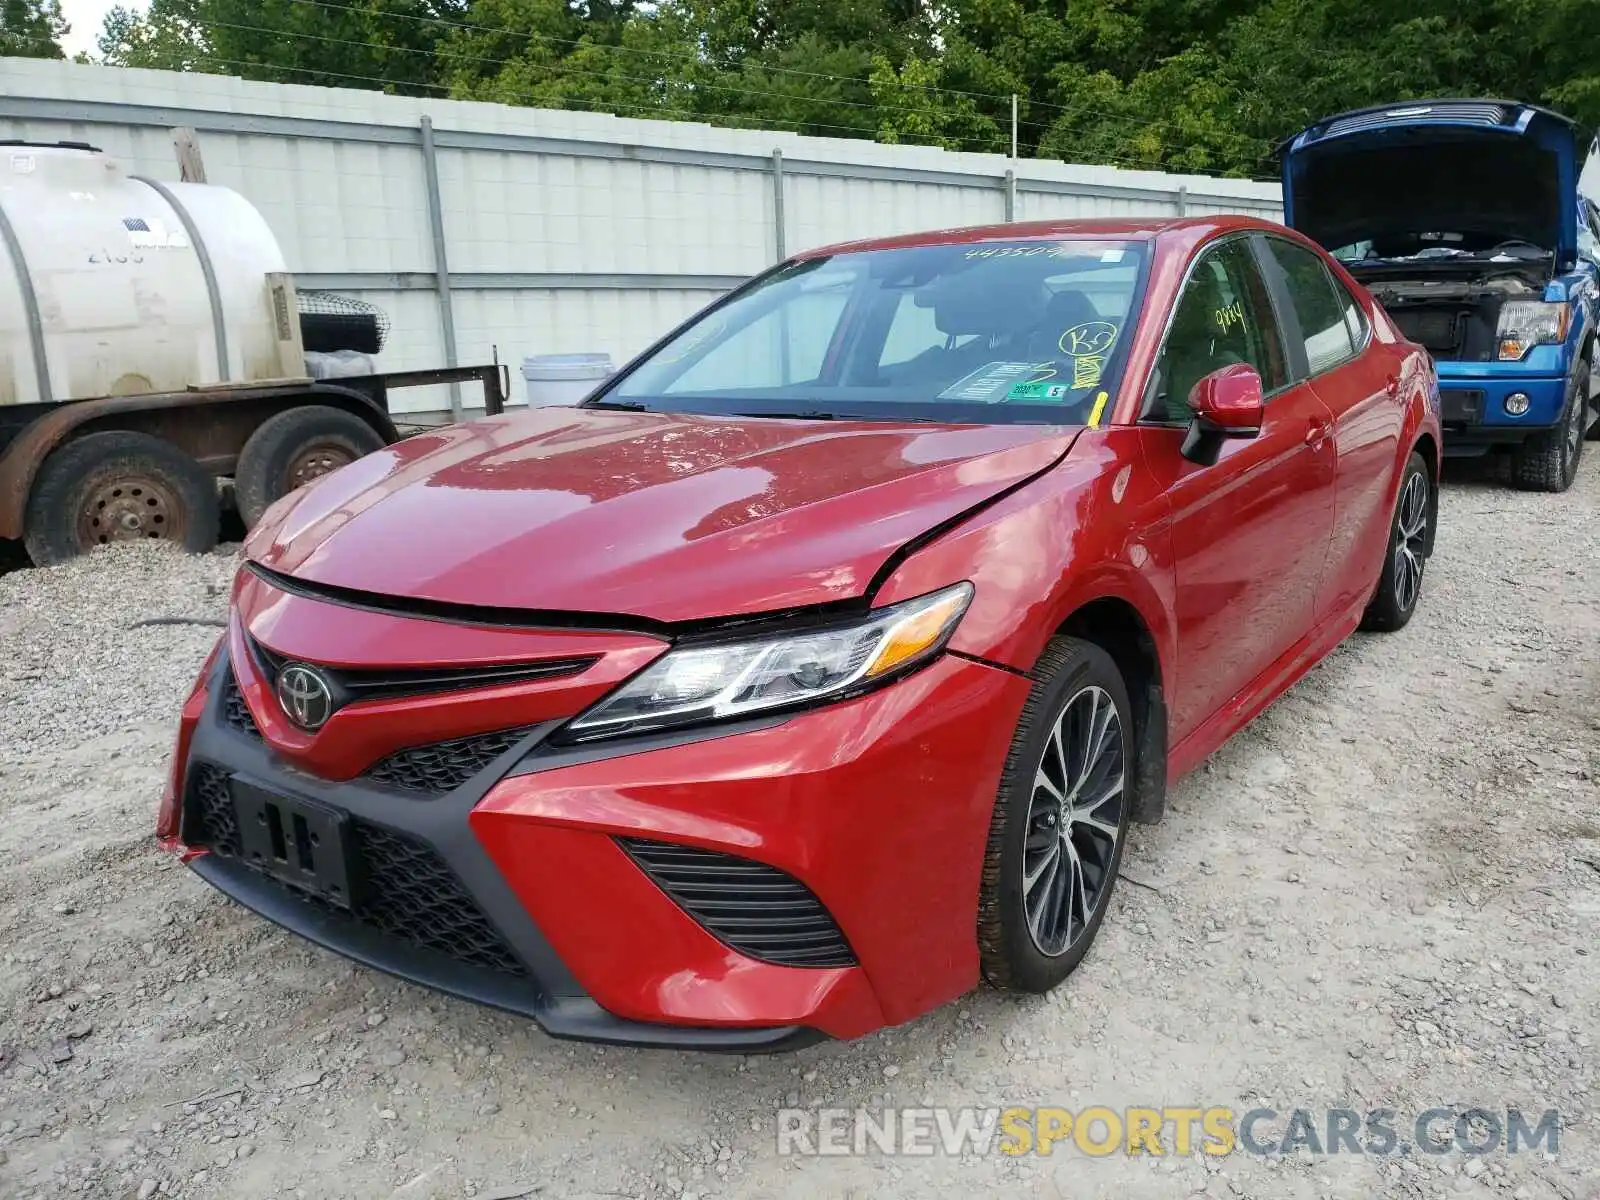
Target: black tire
x=1406, y=558
x=1548, y=462
x=293, y=448
x=118, y=486
x=1592, y=413
x=1009, y=949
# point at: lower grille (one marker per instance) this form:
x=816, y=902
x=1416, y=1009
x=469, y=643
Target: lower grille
x=444, y=766
x=402, y=887
x=211, y=820
x=235, y=711
x=756, y=909
x=410, y=893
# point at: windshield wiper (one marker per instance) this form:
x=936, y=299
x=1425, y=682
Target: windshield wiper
x=618, y=405
x=809, y=414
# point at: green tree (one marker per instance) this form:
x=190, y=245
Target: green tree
x=165, y=37
x=31, y=29
x=1189, y=85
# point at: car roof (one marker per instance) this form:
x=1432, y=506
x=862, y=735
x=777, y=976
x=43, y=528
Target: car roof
x=1128, y=228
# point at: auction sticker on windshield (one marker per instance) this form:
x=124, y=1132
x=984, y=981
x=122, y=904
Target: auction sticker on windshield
x=992, y=382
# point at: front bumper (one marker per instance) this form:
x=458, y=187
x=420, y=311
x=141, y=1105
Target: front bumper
x=1473, y=398
x=516, y=889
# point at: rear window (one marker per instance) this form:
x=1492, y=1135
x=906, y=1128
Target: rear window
x=1026, y=331
x=1329, y=322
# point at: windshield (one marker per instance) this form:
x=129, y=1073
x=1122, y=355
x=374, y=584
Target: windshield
x=1026, y=331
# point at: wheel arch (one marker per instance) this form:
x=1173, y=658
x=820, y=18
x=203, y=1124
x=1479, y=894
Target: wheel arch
x=1427, y=446
x=210, y=427
x=1116, y=625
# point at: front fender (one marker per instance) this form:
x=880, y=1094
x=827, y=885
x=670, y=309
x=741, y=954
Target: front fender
x=1095, y=527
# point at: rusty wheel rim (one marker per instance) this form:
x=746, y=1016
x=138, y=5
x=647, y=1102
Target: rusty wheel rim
x=130, y=508
x=313, y=462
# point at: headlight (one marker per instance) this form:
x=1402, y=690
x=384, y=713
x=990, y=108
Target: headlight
x=1525, y=324
x=717, y=682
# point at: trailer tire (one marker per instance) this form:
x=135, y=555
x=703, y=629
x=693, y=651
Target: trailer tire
x=114, y=486
x=291, y=449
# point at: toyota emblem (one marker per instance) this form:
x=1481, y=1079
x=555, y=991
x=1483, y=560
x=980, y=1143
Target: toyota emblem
x=306, y=698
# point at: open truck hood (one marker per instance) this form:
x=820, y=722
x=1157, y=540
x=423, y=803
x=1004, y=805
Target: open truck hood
x=1492, y=167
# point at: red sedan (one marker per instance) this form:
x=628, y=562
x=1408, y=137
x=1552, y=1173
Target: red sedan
x=816, y=666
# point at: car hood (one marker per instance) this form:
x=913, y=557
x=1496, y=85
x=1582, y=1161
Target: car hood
x=1497, y=168
x=667, y=517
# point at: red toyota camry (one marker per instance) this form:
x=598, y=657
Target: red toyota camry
x=816, y=666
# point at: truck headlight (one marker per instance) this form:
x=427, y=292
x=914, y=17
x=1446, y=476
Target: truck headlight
x=1525, y=324
x=720, y=681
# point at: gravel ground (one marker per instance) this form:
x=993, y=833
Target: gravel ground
x=1383, y=894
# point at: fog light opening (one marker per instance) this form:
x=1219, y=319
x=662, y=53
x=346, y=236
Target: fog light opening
x=1517, y=403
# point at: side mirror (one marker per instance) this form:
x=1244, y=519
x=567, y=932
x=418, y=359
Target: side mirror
x=1227, y=404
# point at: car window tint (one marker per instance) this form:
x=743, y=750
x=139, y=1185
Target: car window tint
x=1588, y=229
x=1322, y=306
x=786, y=346
x=1353, y=319
x=1035, y=330
x=915, y=331
x=1223, y=317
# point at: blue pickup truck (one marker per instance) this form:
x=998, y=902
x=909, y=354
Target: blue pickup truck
x=1465, y=220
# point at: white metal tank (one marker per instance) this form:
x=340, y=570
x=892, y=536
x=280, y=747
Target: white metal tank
x=112, y=285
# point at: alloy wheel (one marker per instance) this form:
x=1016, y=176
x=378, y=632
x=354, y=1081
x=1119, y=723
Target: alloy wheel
x=1410, y=539
x=1074, y=820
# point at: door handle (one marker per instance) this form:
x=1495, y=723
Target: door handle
x=1316, y=434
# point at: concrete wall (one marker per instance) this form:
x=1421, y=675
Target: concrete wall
x=563, y=231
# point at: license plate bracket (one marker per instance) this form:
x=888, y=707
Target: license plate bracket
x=298, y=842
x=1461, y=406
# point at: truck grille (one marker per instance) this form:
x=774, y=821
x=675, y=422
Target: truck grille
x=404, y=888
x=1440, y=331
x=756, y=909
x=444, y=766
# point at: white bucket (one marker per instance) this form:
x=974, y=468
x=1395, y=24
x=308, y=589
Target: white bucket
x=563, y=378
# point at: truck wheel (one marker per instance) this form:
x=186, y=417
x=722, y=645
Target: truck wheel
x=118, y=486
x=1549, y=461
x=293, y=448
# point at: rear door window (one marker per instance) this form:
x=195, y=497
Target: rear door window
x=1330, y=321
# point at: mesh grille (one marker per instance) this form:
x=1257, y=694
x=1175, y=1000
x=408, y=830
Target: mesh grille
x=444, y=766
x=337, y=322
x=235, y=711
x=410, y=893
x=211, y=818
x=756, y=909
x=405, y=889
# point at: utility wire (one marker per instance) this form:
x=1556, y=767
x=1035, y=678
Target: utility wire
x=1061, y=126
x=564, y=68
x=470, y=27
x=602, y=106
x=992, y=141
